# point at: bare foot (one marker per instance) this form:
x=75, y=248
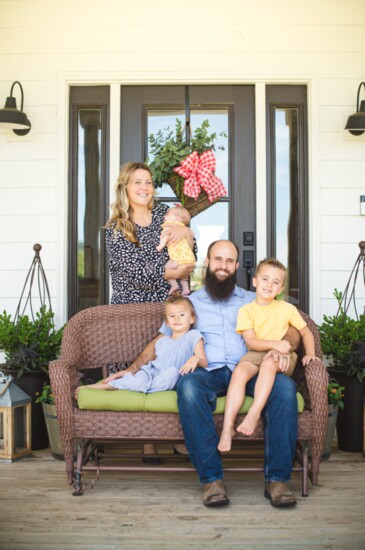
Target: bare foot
x=149, y=449
x=181, y=449
x=248, y=425
x=173, y=289
x=185, y=293
x=225, y=442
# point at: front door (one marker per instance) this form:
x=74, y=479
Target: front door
x=230, y=111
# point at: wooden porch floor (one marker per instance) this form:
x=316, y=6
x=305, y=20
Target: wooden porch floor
x=149, y=511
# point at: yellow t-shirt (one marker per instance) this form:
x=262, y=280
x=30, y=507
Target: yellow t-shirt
x=269, y=322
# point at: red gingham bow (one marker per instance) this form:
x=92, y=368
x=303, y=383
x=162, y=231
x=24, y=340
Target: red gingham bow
x=199, y=173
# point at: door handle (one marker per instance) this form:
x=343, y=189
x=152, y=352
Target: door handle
x=248, y=264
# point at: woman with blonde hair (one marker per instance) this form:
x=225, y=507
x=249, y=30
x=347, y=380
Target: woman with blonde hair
x=137, y=269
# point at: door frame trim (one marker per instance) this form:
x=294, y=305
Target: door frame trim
x=116, y=79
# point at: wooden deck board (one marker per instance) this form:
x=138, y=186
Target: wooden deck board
x=147, y=510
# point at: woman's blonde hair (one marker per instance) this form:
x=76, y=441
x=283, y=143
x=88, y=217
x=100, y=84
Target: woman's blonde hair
x=120, y=209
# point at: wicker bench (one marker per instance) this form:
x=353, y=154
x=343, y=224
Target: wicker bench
x=102, y=335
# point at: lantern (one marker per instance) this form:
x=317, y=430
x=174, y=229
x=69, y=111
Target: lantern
x=15, y=421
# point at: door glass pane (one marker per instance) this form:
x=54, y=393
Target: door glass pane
x=286, y=196
x=163, y=121
x=218, y=121
x=88, y=207
x=212, y=223
x=209, y=226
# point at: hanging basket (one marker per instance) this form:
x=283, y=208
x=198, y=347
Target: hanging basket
x=193, y=206
x=174, y=147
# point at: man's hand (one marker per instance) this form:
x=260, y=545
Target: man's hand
x=180, y=272
x=283, y=359
x=116, y=375
x=282, y=346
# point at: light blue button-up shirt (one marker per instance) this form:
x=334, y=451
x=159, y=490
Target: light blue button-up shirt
x=216, y=320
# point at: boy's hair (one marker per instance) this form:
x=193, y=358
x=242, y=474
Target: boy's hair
x=273, y=262
x=176, y=298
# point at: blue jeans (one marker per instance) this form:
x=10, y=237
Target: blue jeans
x=197, y=395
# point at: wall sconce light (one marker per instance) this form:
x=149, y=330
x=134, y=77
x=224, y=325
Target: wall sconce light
x=356, y=122
x=11, y=117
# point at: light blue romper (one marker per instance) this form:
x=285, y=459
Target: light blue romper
x=161, y=373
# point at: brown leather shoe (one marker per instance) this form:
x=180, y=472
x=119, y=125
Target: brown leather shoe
x=215, y=494
x=279, y=494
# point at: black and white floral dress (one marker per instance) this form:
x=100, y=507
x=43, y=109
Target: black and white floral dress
x=137, y=272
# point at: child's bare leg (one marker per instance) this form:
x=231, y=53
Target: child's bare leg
x=235, y=397
x=173, y=285
x=185, y=290
x=263, y=387
x=172, y=282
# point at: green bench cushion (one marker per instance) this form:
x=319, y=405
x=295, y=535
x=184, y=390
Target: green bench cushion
x=164, y=401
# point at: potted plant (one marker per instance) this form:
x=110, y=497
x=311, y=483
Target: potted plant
x=170, y=149
x=335, y=393
x=343, y=341
x=45, y=398
x=29, y=344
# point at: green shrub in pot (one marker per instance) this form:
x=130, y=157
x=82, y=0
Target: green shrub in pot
x=29, y=344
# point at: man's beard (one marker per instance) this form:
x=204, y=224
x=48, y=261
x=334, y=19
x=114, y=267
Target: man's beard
x=220, y=290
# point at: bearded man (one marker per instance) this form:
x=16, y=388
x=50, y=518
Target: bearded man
x=217, y=305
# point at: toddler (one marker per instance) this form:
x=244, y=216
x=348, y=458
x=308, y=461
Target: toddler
x=175, y=355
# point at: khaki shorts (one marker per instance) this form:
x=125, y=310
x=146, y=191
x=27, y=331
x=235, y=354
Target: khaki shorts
x=256, y=358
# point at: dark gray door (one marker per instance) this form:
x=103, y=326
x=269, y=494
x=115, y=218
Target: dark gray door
x=231, y=111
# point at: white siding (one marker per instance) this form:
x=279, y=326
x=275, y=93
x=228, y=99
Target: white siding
x=48, y=44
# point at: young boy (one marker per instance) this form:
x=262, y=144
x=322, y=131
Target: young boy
x=263, y=323
x=180, y=253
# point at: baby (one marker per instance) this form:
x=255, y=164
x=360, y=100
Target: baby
x=180, y=253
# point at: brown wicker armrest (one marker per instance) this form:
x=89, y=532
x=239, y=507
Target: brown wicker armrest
x=64, y=381
x=317, y=382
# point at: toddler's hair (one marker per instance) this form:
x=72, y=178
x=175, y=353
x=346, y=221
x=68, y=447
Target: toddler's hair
x=176, y=298
x=273, y=262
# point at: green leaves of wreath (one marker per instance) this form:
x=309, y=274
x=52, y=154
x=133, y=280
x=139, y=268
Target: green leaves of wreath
x=169, y=149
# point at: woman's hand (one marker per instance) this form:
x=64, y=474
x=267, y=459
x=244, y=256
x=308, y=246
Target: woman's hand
x=175, y=233
x=180, y=272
